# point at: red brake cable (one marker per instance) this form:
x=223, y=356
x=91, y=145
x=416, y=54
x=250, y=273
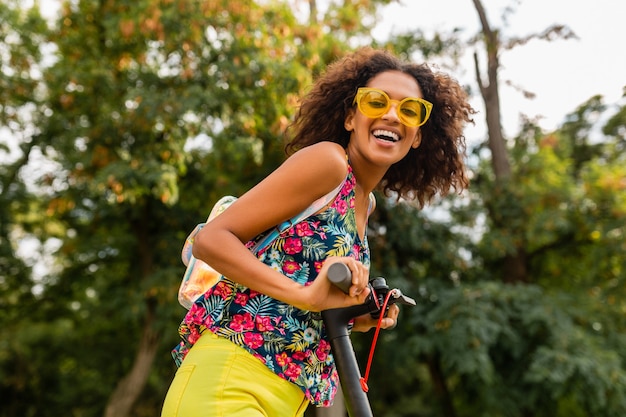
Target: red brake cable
x=363, y=380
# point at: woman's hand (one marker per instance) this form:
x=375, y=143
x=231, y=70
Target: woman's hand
x=321, y=294
x=366, y=322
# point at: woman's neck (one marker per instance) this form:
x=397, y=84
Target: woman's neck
x=367, y=175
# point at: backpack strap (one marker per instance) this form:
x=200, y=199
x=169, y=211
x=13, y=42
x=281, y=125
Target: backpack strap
x=372, y=204
x=316, y=206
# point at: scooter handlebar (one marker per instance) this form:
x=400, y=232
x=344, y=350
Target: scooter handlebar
x=341, y=276
x=336, y=322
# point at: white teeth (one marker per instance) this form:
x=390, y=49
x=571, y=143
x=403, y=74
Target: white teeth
x=386, y=134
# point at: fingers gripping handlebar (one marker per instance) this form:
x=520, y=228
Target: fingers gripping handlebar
x=339, y=274
x=336, y=322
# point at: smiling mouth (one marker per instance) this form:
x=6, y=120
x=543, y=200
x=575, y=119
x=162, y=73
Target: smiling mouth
x=386, y=135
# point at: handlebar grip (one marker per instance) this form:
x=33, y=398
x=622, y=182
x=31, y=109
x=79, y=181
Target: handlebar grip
x=340, y=275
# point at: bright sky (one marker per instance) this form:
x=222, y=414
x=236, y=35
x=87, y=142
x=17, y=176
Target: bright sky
x=563, y=74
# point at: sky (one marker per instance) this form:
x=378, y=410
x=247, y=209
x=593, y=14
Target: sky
x=563, y=74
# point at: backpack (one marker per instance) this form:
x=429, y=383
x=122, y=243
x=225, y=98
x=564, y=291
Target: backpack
x=199, y=277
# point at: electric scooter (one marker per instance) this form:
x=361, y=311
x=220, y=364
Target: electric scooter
x=336, y=321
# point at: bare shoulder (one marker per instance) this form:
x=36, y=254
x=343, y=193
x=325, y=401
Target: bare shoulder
x=326, y=150
x=304, y=177
x=325, y=161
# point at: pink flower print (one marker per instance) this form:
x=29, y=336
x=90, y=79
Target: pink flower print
x=321, y=354
x=183, y=350
x=303, y=229
x=352, y=183
x=241, y=299
x=299, y=356
x=290, y=267
x=324, y=345
x=318, y=265
x=293, y=371
x=193, y=336
x=292, y=246
x=264, y=324
x=253, y=340
x=282, y=359
x=341, y=206
x=195, y=314
x=223, y=290
x=322, y=350
x=308, y=395
x=253, y=293
x=242, y=322
x=346, y=189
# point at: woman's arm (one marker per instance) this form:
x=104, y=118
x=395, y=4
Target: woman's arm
x=304, y=177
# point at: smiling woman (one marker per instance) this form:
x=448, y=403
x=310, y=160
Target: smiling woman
x=371, y=121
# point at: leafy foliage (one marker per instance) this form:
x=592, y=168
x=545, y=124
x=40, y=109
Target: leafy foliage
x=129, y=119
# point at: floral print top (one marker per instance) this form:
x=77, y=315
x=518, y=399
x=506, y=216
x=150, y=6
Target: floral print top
x=289, y=341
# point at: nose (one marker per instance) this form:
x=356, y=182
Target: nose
x=392, y=113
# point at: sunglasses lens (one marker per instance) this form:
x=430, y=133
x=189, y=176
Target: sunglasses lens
x=373, y=104
x=412, y=112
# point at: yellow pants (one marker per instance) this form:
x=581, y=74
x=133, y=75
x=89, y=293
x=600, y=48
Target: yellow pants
x=220, y=379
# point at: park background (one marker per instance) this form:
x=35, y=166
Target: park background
x=122, y=122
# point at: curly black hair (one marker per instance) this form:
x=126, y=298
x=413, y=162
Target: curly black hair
x=435, y=167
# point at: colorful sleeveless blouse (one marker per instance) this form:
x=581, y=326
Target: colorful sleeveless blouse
x=289, y=341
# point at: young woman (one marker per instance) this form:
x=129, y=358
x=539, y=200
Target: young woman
x=254, y=344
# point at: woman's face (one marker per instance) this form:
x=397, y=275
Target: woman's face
x=385, y=140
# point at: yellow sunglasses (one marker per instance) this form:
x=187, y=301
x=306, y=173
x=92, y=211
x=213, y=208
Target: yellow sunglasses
x=411, y=111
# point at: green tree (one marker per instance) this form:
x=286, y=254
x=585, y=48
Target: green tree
x=21, y=107
x=526, y=318
x=150, y=110
x=132, y=85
